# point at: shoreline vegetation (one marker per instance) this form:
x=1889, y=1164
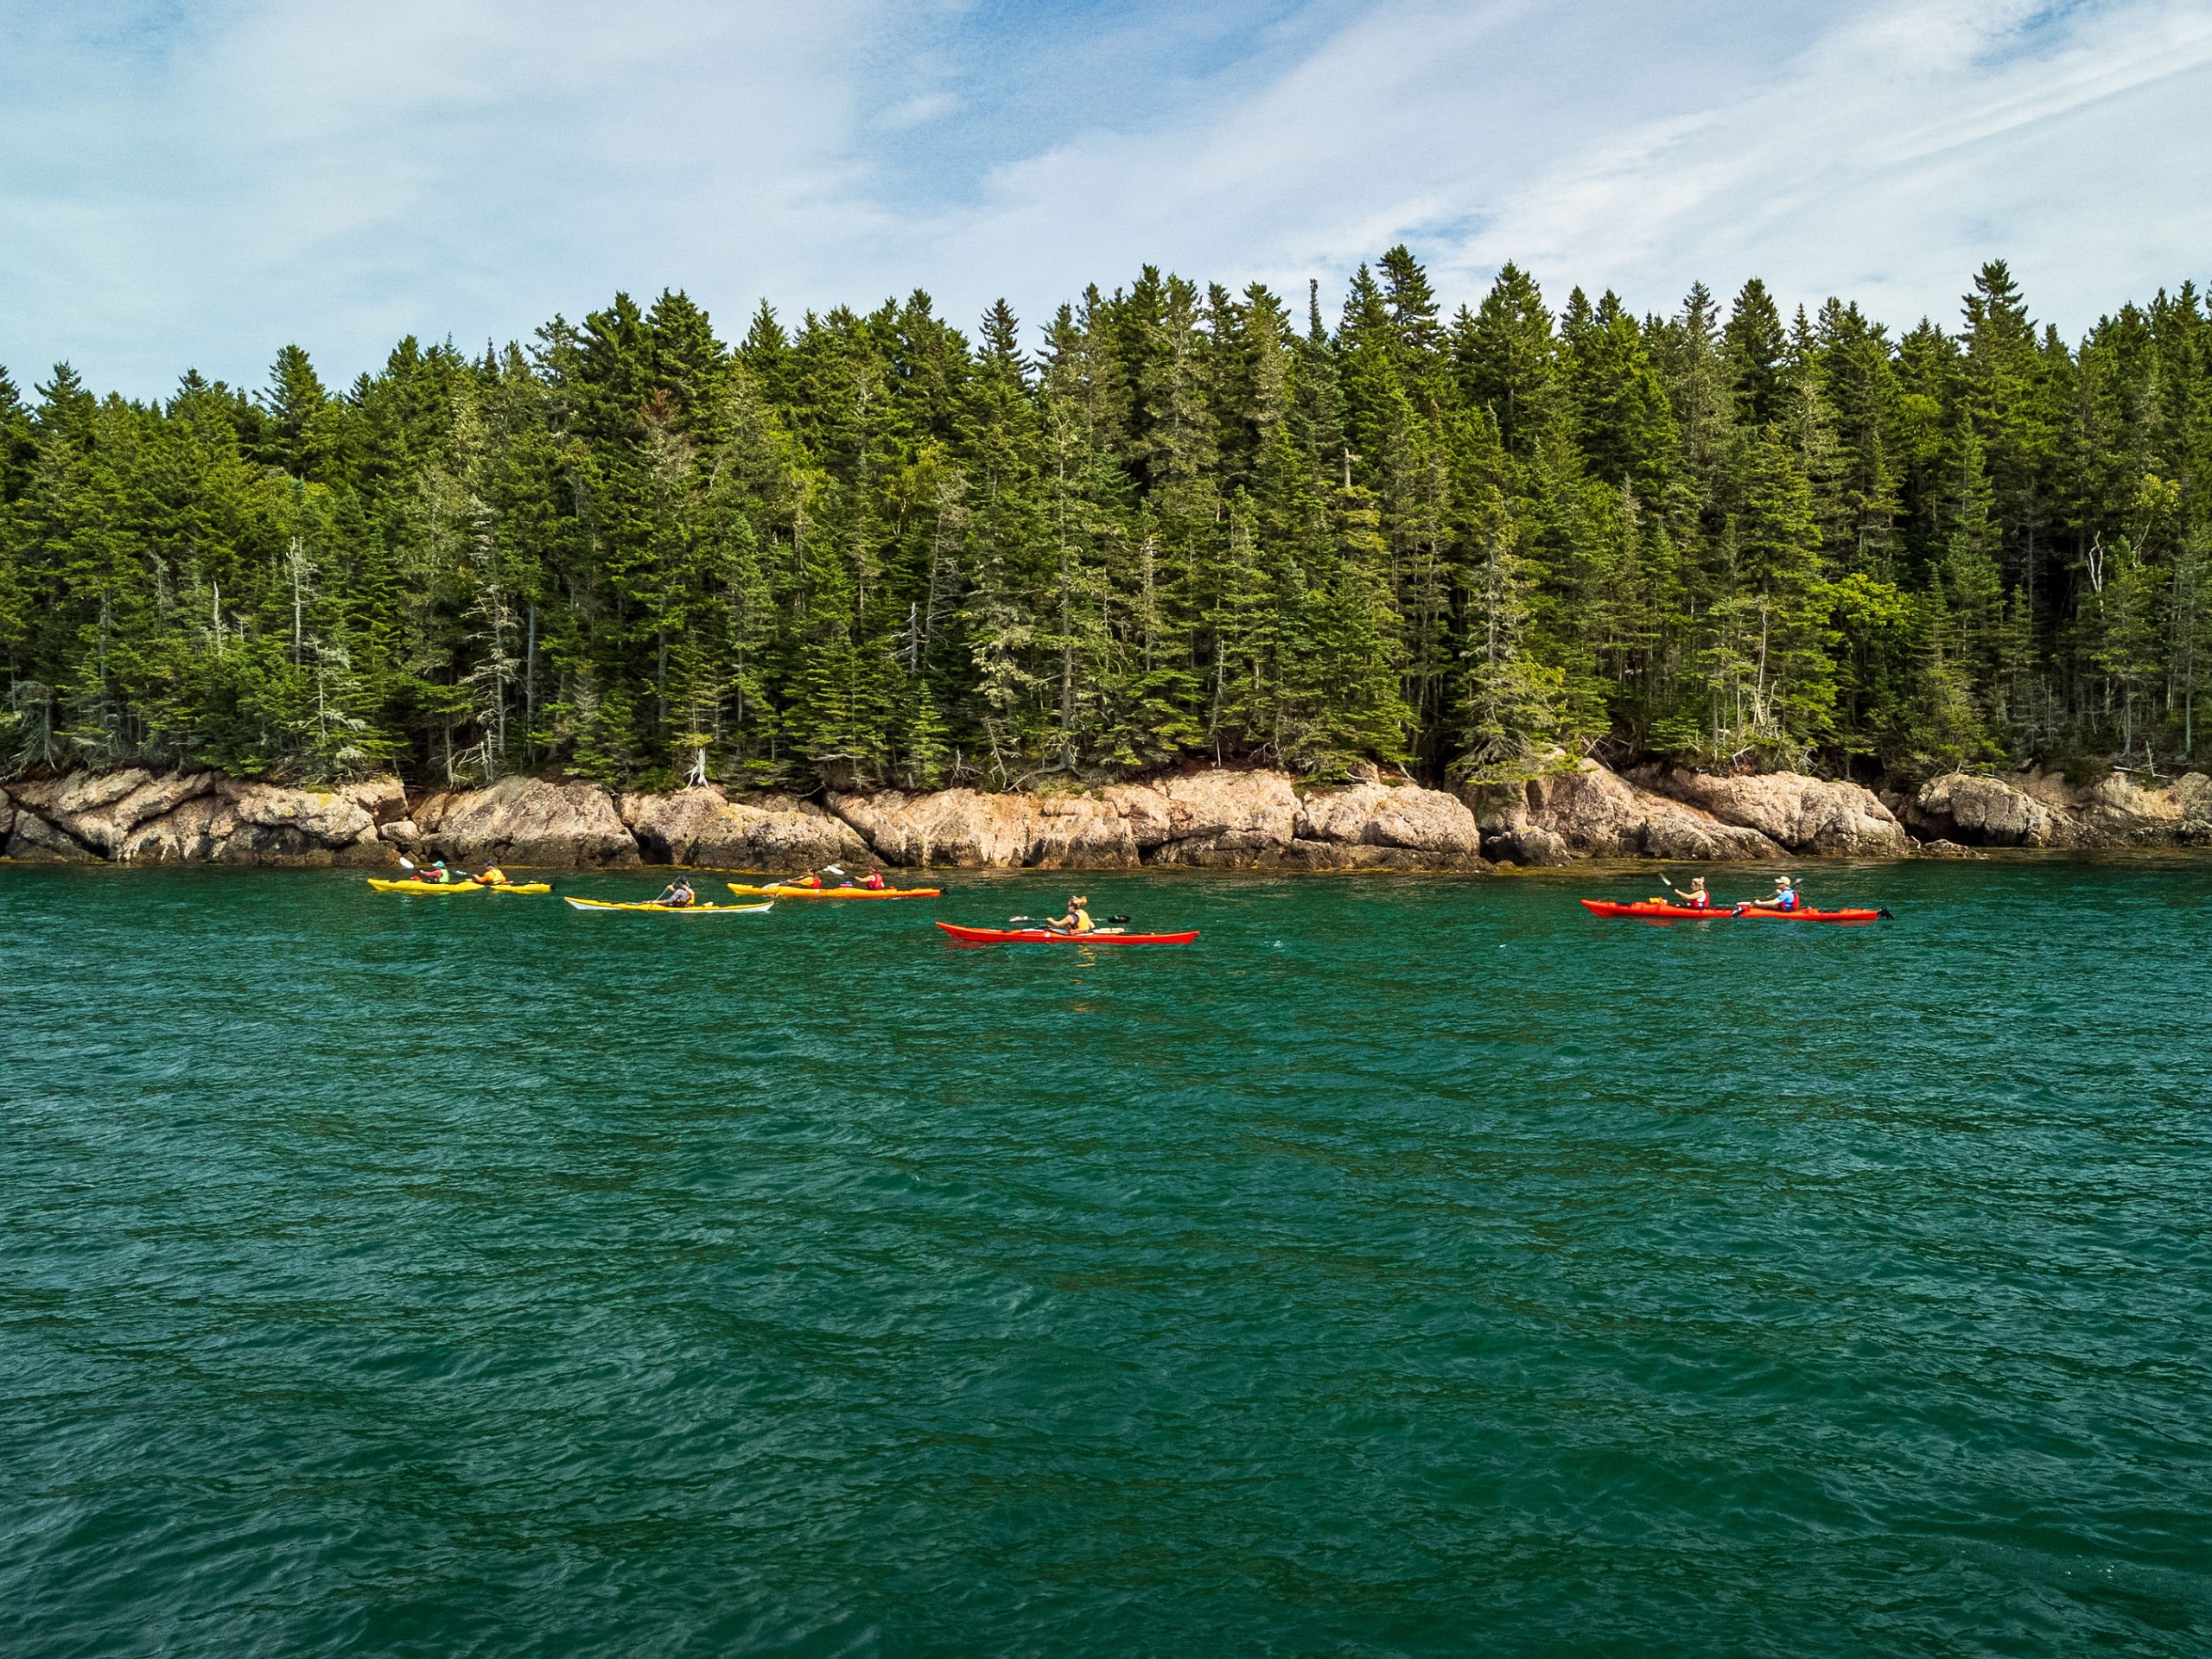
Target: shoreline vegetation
x=1193, y=584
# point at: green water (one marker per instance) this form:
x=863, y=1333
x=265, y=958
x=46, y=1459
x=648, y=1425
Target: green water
x=1412, y=1266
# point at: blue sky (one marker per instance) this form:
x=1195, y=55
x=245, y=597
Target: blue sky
x=196, y=184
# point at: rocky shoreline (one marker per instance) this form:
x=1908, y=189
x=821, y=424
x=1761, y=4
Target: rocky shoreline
x=1208, y=819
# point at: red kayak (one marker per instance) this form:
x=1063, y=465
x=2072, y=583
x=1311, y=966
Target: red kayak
x=1053, y=935
x=1650, y=910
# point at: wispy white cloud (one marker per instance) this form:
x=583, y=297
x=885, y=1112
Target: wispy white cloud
x=201, y=187
x=1883, y=154
x=1897, y=155
x=202, y=191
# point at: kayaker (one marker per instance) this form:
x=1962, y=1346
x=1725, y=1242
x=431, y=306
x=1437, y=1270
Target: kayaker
x=810, y=879
x=1078, y=920
x=437, y=873
x=874, y=882
x=1696, y=898
x=1784, y=897
x=493, y=876
x=677, y=894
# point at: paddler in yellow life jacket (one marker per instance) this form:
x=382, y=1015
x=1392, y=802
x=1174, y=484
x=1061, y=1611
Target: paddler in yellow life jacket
x=1078, y=920
x=492, y=876
x=677, y=894
x=437, y=874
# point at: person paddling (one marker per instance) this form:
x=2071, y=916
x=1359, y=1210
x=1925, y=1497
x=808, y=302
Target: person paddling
x=1696, y=898
x=1785, y=896
x=1078, y=920
x=437, y=873
x=810, y=879
x=493, y=876
x=677, y=894
x=874, y=882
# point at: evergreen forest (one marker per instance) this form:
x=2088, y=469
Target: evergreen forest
x=873, y=549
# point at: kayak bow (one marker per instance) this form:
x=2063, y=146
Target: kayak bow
x=1652, y=910
x=1053, y=936
x=783, y=891
x=674, y=910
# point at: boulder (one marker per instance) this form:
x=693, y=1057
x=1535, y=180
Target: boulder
x=961, y=827
x=1590, y=812
x=32, y=840
x=1217, y=819
x=1078, y=832
x=2193, y=806
x=285, y=816
x=1223, y=820
x=102, y=811
x=2116, y=811
x=1984, y=812
x=1362, y=855
x=400, y=832
x=1528, y=846
x=76, y=793
x=704, y=827
x=529, y=822
x=1253, y=807
x=1422, y=821
x=1803, y=814
x=1144, y=812
x=201, y=817
x=1946, y=849
x=187, y=833
x=385, y=799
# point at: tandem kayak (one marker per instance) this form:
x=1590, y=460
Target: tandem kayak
x=673, y=910
x=1650, y=909
x=458, y=886
x=779, y=891
x=1053, y=936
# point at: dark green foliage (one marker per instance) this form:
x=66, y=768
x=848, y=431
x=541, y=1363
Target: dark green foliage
x=868, y=549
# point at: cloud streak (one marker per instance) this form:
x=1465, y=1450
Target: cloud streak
x=198, y=188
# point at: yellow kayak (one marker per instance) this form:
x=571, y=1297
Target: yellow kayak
x=458, y=887
x=783, y=892
x=674, y=910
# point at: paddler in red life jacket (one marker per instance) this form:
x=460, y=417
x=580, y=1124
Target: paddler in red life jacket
x=874, y=882
x=810, y=879
x=1696, y=897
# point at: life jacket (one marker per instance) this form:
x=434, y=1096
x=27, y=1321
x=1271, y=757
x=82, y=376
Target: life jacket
x=1786, y=901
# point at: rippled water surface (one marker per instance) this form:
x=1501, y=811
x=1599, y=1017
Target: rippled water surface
x=1412, y=1266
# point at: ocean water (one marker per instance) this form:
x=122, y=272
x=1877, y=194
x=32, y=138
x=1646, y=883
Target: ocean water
x=1412, y=1266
